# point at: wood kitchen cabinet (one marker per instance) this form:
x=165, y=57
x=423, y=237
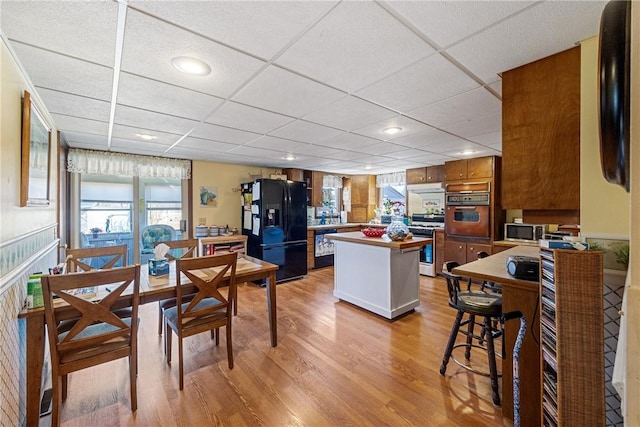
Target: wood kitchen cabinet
x=541, y=134
x=363, y=198
x=425, y=175
x=439, y=244
x=314, y=191
x=463, y=252
x=416, y=175
x=480, y=167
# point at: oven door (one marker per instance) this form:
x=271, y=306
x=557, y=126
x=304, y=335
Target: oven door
x=467, y=221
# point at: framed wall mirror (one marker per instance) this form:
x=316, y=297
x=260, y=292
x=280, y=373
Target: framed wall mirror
x=36, y=149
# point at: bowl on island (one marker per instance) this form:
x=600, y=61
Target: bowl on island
x=373, y=232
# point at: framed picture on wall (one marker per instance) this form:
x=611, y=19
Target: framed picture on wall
x=208, y=197
x=35, y=157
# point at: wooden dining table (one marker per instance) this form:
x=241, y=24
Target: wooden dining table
x=152, y=289
x=521, y=295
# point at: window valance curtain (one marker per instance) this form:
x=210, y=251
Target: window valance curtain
x=120, y=164
x=332, y=181
x=391, y=179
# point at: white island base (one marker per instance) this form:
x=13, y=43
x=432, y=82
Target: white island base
x=377, y=274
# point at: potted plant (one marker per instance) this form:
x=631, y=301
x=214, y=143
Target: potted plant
x=95, y=231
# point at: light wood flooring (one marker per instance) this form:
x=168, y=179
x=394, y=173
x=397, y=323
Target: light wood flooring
x=335, y=365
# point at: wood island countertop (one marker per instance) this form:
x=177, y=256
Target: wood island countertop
x=345, y=225
x=384, y=241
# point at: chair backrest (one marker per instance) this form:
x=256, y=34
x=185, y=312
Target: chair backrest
x=98, y=334
x=85, y=259
x=189, y=248
x=482, y=254
x=453, y=282
x=207, y=274
x=151, y=234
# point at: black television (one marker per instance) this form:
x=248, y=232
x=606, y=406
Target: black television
x=614, y=56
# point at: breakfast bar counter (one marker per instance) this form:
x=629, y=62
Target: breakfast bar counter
x=376, y=273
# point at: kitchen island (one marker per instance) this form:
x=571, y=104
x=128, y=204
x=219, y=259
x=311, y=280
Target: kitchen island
x=376, y=273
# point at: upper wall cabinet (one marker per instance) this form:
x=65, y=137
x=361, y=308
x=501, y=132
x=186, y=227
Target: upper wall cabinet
x=541, y=134
x=425, y=174
x=480, y=167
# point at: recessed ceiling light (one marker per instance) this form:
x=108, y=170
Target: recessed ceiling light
x=367, y=167
x=467, y=152
x=392, y=130
x=146, y=137
x=190, y=65
x=290, y=157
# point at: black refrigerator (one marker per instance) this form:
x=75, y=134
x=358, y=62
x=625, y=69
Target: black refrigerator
x=275, y=221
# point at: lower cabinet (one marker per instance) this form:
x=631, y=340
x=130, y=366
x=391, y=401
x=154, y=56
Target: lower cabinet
x=463, y=252
x=438, y=240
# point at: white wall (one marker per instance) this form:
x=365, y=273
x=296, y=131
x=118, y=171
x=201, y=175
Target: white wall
x=27, y=236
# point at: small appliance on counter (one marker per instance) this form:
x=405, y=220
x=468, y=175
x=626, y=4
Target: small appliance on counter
x=528, y=233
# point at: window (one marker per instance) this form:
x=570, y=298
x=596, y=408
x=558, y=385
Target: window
x=393, y=200
x=164, y=203
x=106, y=206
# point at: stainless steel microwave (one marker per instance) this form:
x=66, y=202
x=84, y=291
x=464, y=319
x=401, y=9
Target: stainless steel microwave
x=525, y=232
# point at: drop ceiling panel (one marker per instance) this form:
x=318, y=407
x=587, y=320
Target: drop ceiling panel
x=549, y=22
x=349, y=113
x=466, y=106
x=447, y=22
x=83, y=30
x=427, y=139
x=131, y=133
x=223, y=134
x=408, y=125
x=73, y=105
x=234, y=115
x=305, y=131
x=65, y=74
x=76, y=139
x=428, y=80
x=279, y=144
x=153, y=121
x=203, y=144
x=493, y=139
x=345, y=155
x=377, y=46
x=257, y=152
x=262, y=28
x=155, y=147
x=152, y=95
x=77, y=124
x=476, y=125
x=151, y=56
x=429, y=159
x=348, y=141
x=287, y=93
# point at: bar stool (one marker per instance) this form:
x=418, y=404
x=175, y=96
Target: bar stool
x=473, y=304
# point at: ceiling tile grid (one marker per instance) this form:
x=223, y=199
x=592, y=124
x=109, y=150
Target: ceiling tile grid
x=319, y=80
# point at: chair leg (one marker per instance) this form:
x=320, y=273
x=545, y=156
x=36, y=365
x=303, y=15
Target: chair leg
x=133, y=375
x=180, y=365
x=167, y=342
x=64, y=387
x=451, y=342
x=472, y=324
x=229, y=346
x=56, y=403
x=217, y=336
x=493, y=370
x=160, y=319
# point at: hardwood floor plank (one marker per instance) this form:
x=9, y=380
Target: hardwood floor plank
x=335, y=364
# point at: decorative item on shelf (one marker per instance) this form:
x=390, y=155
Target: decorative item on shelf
x=95, y=231
x=202, y=231
x=397, y=230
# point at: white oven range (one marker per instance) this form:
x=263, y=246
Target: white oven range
x=423, y=225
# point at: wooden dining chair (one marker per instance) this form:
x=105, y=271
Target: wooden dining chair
x=209, y=309
x=85, y=259
x=98, y=335
x=187, y=248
